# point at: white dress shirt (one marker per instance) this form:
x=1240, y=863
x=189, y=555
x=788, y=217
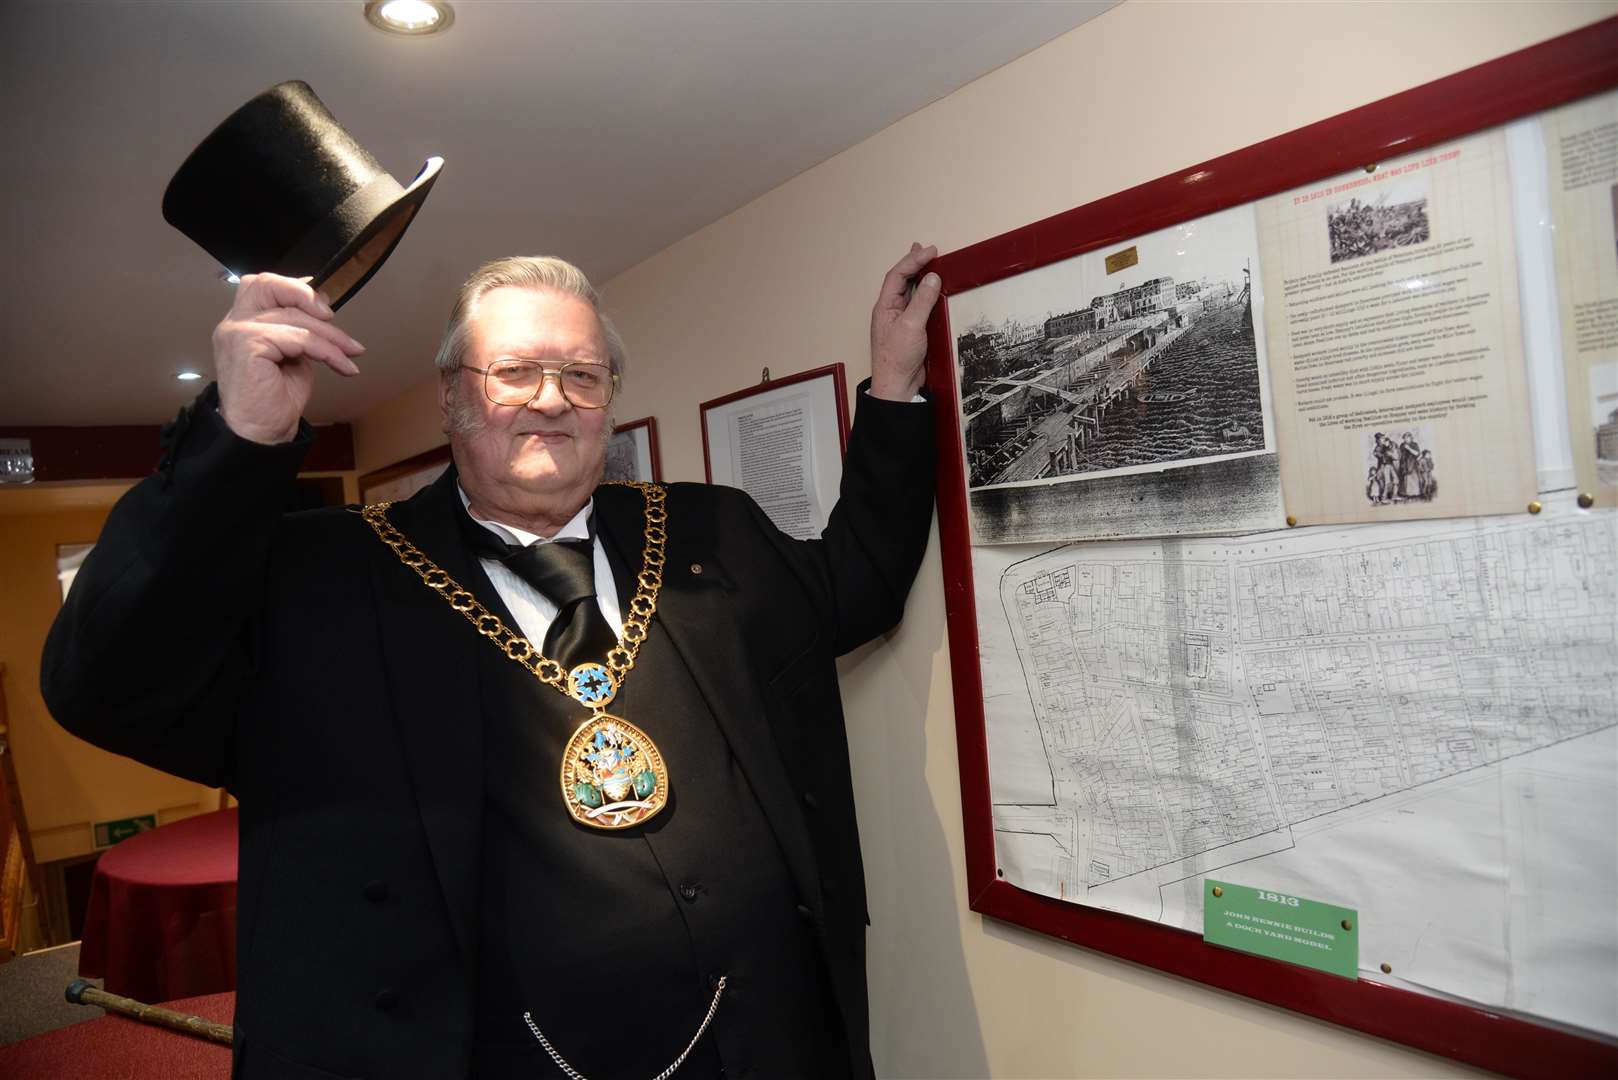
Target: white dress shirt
x=533, y=610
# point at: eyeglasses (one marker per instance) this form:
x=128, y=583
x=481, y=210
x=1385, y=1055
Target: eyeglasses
x=517, y=382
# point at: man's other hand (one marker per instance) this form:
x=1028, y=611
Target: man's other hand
x=264, y=352
x=899, y=327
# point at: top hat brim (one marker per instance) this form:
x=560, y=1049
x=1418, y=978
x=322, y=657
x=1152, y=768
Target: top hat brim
x=346, y=272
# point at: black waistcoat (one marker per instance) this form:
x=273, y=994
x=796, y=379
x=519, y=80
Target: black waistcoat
x=613, y=940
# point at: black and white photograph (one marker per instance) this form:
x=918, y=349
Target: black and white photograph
x=1064, y=375
x=1400, y=465
x=1395, y=217
x=1070, y=374
x=632, y=452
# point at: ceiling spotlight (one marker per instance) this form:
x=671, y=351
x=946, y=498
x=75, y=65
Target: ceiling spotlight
x=412, y=17
x=187, y=376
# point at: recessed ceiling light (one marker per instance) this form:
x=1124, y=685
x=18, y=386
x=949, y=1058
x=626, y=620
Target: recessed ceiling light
x=187, y=376
x=413, y=17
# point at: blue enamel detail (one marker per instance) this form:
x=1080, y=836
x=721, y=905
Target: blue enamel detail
x=591, y=684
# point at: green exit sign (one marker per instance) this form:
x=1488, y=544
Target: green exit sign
x=109, y=833
x=1281, y=927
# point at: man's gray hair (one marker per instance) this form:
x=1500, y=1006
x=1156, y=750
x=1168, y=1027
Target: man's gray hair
x=541, y=272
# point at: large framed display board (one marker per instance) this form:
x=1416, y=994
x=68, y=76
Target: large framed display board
x=1275, y=512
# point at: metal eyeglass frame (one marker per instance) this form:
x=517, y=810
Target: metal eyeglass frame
x=547, y=373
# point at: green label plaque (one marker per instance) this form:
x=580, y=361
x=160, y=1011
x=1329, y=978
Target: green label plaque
x=1281, y=927
x=108, y=833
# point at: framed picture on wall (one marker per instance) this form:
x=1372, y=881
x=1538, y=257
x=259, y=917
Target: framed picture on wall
x=399, y=481
x=782, y=442
x=632, y=454
x=1176, y=684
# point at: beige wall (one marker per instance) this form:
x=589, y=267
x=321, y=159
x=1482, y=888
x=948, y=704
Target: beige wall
x=787, y=282
x=399, y=429
x=66, y=783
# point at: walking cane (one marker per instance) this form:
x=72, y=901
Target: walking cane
x=80, y=992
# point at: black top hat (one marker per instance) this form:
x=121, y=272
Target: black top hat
x=280, y=186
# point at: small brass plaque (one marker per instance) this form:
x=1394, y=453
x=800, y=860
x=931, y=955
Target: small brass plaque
x=1122, y=260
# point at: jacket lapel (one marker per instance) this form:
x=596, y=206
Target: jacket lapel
x=432, y=669
x=696, y=613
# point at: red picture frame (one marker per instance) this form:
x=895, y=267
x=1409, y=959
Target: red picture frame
x=649, y=423
x=768, y=385
x=1544, y=76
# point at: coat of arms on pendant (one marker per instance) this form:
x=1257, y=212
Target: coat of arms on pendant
x=613, y=776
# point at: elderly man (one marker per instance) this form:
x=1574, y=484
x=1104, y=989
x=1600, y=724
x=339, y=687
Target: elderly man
x=455, y=860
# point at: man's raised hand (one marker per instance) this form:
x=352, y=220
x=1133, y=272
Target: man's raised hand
x=264, y=352
x=899, y=327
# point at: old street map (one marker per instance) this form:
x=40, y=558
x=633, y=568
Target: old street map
x=1414, y=720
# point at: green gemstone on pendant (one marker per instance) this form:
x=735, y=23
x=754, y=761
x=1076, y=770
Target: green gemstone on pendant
x=588, y=795
x=645, y=784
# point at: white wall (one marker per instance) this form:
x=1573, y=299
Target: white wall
x=787, y=282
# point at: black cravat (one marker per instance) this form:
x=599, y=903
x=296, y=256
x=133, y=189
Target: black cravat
x=564, y=572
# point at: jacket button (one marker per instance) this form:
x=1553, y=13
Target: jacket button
x=810, y=801
x=387, y=999
x=804, y=913
x=689, y=892
x=376, y=891
x=696, y=568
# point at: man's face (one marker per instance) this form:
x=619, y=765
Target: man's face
x=539, y=459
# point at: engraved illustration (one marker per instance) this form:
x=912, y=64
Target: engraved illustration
x=1604, y=420
x=1396, y=218
x=1400, y=468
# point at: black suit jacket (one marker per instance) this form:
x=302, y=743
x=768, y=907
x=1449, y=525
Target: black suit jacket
x=294, y=659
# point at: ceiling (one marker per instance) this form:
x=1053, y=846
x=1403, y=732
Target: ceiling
x=602, y=132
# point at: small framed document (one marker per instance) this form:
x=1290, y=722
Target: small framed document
x=632, y=453
x=782, y=442
x=399, y=481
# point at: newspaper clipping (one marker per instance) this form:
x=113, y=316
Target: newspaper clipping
x=1396, y=342
x=1581, y=151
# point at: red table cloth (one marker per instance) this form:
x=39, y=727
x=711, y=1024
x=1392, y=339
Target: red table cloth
x=162, y=917
x=117, y=1048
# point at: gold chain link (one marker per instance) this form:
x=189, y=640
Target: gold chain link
x=637, y=618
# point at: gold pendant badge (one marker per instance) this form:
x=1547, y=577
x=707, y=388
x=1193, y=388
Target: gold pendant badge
x=613, y=776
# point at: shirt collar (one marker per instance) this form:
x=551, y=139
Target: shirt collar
x=577, y=527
